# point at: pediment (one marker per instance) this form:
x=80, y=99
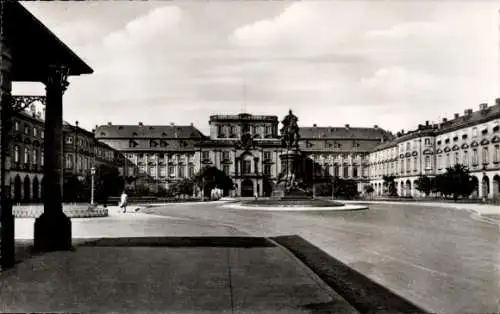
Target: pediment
x=414, y=154
x=427, y=152
x=455, y=147
x=401, y=155
x=495, y=139
x=439, y=151
x=464, y=146
x=447, y=149
x=485, y=142
x=474, y=144
x=407, y=154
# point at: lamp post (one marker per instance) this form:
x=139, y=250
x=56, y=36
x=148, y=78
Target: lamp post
x=92, y=173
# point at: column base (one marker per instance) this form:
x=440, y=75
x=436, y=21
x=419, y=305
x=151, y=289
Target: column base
x=52, y=233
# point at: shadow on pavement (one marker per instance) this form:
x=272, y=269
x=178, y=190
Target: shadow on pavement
x=361, y=292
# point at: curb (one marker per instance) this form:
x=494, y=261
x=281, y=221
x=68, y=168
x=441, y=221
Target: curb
x=361, y=292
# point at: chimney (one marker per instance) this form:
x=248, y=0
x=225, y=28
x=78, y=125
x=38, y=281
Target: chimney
x=427, y=123
x=93, y=131
x=192, y=124
x=497, y=101
x=140, y=123
x=315, y=125
x=76, y=123
x=468, y=112
x=172, y=124
x=375, y=126
x=457, y=115
x=445, y=120
x=110, y=124
x=347, y=126
x=483, y=106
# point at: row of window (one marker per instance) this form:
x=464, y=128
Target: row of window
x=83, y=162
x=28, y=130
x=153, y=171
x=30, y=156
x=442, y=161
x=231, y=130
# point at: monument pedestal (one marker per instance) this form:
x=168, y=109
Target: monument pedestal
x=287, y=186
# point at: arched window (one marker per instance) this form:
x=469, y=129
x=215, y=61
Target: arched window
x=26, y=155
x=486, y=156
x=17, y=150
x=35, y=156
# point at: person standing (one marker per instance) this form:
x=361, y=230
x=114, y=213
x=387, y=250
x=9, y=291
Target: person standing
x=123, y=201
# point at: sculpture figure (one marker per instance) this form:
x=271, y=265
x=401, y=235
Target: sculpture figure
x=290, y=131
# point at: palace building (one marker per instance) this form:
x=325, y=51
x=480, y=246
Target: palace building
x=81, y=153
x=471, y=139
x=163, y=154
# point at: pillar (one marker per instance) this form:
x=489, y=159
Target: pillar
x=53, y=227
x=6, y=218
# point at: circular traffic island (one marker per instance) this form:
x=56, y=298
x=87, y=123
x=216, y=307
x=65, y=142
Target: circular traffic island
x=294, y=205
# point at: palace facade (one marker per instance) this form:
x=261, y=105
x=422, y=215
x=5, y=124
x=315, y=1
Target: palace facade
x=471, y=139
x=81, y=153
x=163, y=154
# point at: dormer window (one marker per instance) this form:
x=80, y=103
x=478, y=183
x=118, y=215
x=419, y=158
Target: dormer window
x=485, y=131
x=464, y=137
x=446, y=141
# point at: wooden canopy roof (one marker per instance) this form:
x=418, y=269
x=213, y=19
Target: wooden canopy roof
x=34, y=47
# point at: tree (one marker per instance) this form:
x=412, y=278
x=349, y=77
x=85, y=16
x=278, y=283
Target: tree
x=345, y=188
x=183, y=187
x=390, y=184
x=425, y=184
x=456, y=181
x=74, y=190
x=107, y=182
x=368, y=189
x=210, y=177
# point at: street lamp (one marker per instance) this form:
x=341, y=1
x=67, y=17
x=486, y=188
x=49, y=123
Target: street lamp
x=92, y=173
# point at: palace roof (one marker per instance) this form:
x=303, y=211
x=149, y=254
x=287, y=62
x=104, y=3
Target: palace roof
x=147, y=131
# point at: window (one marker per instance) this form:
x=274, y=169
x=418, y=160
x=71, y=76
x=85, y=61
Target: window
x=474, y=132
x=496, y=155
x=26, y=129
x=205, y=155
x=16, y=125
x=163, y=171
x=457, y=158
x=26, y=155
x=225, y=155
x=247, y=166
x=68, y=161
x=408, y=146
x=35, y=156
x=408, y=165
x=427, y=141
x=474, y=157
x=42, y=156
x=355, y=171
x=35, y=131
x=16, y=153
x=428, y=163
x=465, y=159
x=486, y=156
x=191, y=171
x=346, y=171
x=69, y=140
x=152, y=171
x=336, y=170
x=171, y=171
x=269, y=130
x=220, y=131
x=267, y=169
x=447, y=160
x=232, y=130
x=402, y=166
x=142, y=170
x=182, y=171
x=267, y=155
x=225, y=168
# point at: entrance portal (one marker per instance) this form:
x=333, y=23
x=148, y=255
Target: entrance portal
x=247, y=188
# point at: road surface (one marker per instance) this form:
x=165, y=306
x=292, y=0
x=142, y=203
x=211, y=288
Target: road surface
x=441, y=259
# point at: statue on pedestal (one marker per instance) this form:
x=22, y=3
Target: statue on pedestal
x=290, y=132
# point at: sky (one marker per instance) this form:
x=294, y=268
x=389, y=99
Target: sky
x=391, y=63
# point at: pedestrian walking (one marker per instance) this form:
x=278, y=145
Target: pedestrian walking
x=123, y=201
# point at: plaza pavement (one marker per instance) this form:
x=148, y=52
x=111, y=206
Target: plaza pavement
x=487, y=212
x=152, y=274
